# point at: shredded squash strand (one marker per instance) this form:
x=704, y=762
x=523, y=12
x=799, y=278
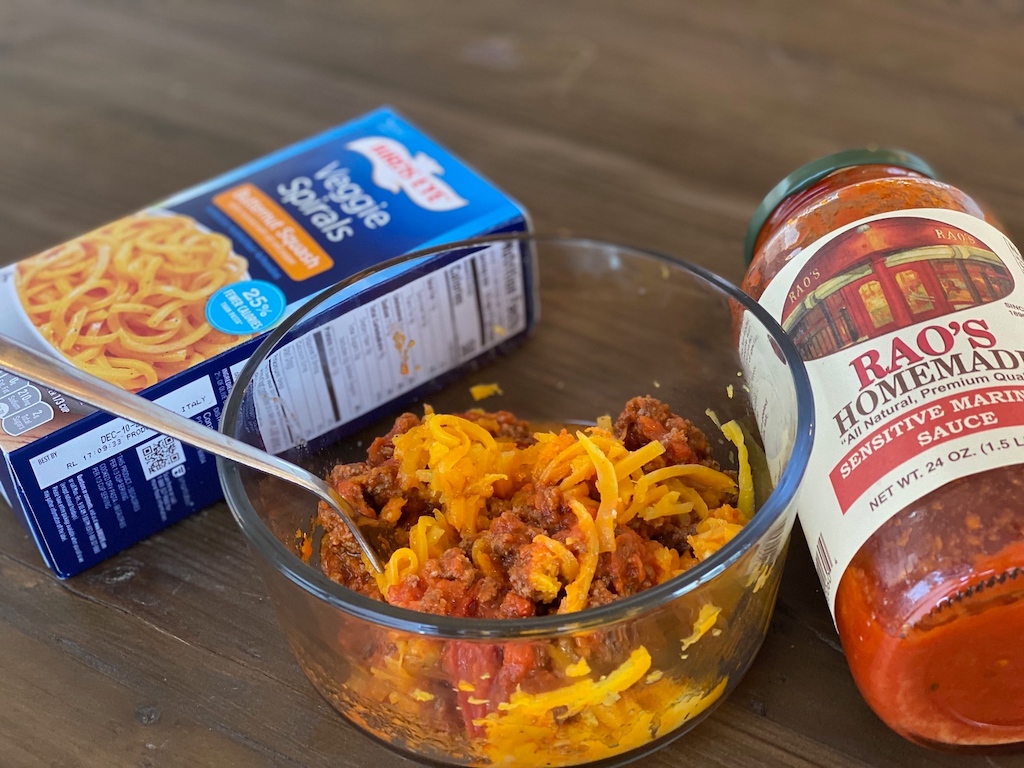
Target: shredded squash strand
x=608, y=489
x=576, y=593
x=733, y=431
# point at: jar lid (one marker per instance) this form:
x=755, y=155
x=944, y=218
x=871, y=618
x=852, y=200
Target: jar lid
x=815, y=171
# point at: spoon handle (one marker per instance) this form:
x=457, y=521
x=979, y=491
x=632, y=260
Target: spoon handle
x=61, y=376
x=89, y=389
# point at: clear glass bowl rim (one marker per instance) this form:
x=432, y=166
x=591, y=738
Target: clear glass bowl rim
x=316, y=583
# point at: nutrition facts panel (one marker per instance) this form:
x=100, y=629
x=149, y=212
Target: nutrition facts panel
x=385, y=348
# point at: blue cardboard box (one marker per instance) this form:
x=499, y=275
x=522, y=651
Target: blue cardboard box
x=171, y=301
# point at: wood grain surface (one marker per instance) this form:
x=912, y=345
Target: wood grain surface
x=655, y=122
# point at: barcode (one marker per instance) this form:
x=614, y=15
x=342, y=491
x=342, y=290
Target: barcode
x=823, y=562
x=159, y=455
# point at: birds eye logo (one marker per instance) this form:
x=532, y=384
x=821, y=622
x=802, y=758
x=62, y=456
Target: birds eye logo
x=418, y=176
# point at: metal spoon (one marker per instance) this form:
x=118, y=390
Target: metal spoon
x=69, y=380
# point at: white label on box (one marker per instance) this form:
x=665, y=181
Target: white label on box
x=112, y=438
x=389, y=346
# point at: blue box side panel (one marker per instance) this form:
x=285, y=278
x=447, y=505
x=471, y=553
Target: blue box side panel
x=108, y=505
x=15, y=497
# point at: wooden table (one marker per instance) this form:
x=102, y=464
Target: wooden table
x=655, y=122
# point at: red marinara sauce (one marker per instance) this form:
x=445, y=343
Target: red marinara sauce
x=930, y=608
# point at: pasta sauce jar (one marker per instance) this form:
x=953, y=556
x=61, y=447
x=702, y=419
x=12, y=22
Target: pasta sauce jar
x=907, y=304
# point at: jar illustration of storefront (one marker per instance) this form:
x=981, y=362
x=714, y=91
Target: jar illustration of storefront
x=887, y=274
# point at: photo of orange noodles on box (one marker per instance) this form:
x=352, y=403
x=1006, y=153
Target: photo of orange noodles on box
x=127, y=302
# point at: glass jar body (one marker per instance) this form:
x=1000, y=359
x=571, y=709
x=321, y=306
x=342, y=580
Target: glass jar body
x=931, y=609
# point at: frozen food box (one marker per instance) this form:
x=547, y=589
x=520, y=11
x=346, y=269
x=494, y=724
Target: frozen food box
x=171, y=301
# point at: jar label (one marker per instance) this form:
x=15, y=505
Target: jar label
x=910, y=324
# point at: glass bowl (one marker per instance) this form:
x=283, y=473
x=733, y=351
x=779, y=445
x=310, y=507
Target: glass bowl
x=613, y=323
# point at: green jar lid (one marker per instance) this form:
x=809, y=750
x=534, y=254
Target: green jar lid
x=815, y=171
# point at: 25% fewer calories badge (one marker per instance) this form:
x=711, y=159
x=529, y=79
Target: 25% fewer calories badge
x=247, y=307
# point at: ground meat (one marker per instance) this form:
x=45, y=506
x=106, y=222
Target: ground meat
x=347, y=471
x=443, y=586
x=451, y=585
x=670, y=531
x=339, y=555
x=645, y=419
x=544, y=507
x=381, y=485
x=503, y=424
x=600, y=594
x=627, y=570
x=507, y=534
x=453, y=565
x=534, y=574
x=514, y=606
x=383, y=448
x=369, y=485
